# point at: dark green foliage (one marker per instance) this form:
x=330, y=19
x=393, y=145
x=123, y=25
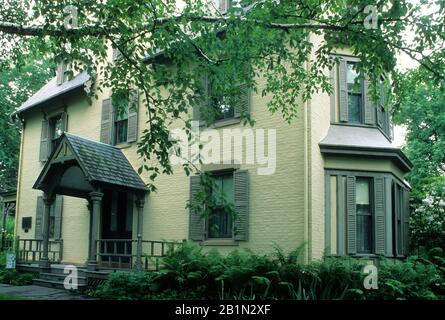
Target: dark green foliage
x=189, y=273
x=13, y=277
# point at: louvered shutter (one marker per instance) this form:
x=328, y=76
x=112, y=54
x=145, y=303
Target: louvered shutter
x=370, y=109
x=106, y=121
x=196, y=221
x=200, y=109
x=351, y=215
x=242, y=103
x=406, y=214
x=39, y=218
x=44, y=141
x=241, y=193
x=64, y=119
x=379, y=218
x=343, y=91
x=132, y=128
x=223, y=5
x=58, y=208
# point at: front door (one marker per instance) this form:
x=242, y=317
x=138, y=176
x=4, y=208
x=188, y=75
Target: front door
x=116, y=228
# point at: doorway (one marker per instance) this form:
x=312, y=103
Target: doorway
x=116, y=228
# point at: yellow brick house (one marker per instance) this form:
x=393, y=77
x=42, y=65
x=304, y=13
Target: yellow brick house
x=337, y=185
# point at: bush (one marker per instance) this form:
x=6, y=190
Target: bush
x=13, y=277
x=189, y=273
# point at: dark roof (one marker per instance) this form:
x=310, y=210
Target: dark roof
x=104, y=163
x=52, y=90
x=366, y=141
x=101, y=164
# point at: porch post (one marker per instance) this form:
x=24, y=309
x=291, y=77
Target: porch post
x=140, y=208
x=96, y=205
x=48, y=200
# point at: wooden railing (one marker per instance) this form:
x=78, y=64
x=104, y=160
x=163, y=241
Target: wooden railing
x=122, y=253
x=30, y=250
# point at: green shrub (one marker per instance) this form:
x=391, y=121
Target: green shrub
x=190, y=273
x=13, y=277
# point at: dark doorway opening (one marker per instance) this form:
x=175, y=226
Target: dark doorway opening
x=116, y=229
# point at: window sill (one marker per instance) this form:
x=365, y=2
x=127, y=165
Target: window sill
x=123, y=145
x=224, y=123
x=219, y=242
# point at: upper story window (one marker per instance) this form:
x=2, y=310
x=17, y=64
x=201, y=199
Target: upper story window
x=355, y=94
x=120, y=126
x=55, y=130
x=52, y=129
x=351, y=101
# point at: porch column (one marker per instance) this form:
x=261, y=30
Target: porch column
x=140, y=208
x=96, y=205
x=48, y=201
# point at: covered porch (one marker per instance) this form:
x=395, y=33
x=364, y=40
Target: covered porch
x=100, y=174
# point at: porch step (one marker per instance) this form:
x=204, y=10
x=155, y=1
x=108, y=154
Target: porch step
x=56, y=277
x=54, y=284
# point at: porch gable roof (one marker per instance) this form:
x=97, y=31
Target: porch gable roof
x=101, y=163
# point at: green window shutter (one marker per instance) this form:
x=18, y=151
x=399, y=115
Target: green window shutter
x=196, y=221
x=369, y=105
x=405, y=217
x=58, y=208
x=106, y=121
x=64, y=118
x=332, y=96
x=241, y=193
x=242, y=103
x=44, y=141
x=351, y=215
x=203, y=103
x=39, y=218
x=379, y=215
x=343, y=91
x=132, y=128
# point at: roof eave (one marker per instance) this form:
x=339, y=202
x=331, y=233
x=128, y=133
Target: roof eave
x=394, y=153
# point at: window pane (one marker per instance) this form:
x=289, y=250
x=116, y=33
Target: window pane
x=223, y=109
x=364, y=236
x=220, y=222
x=364, y=216
x=120, y=131
x=362, y=191
x=355, y=95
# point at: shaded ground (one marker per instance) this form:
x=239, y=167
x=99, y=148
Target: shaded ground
x=33, y=292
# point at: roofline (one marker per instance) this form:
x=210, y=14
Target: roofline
x=19, y=112
x=393, y=153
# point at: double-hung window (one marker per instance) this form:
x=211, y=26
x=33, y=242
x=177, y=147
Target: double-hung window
x=220, y=224
x=363, y=202
x=120, y=126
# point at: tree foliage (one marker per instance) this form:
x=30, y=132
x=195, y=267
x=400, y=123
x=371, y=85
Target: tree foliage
x=18, y=82
x=267, y=38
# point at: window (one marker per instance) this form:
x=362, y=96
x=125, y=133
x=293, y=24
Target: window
x=364, y=215
x=55, y=130
x=120, y=126
x=223, y=109
x=220, y=221
x=355, y=94
x=359, y=218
